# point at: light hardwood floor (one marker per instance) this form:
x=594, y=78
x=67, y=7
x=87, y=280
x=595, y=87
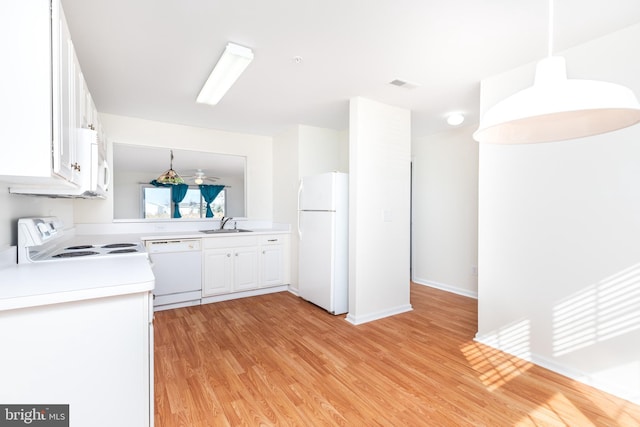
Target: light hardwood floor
x=278, y=360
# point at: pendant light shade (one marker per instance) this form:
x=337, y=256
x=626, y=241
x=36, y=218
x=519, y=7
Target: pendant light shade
x=556, y=108
x=169, y=176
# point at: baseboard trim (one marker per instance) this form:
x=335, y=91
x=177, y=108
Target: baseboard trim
x=445, y=287
x=574, y=374
x=244, y=294
x=359, y=320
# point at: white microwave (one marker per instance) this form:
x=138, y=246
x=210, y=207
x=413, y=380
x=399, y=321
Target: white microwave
x=94, y=172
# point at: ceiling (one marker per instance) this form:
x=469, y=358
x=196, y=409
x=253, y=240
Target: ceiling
x=150, y=58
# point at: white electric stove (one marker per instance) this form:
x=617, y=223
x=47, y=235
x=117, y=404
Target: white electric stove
x=43, y=239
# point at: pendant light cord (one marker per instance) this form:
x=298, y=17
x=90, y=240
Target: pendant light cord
x=550, y=41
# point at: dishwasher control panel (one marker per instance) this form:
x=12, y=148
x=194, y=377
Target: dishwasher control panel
x=177, y=245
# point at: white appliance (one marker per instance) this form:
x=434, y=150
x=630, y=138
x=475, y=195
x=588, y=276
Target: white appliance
x=87, y=299
x=177, y=266
x=43, y=240
x=94, y=172
x=323, y=230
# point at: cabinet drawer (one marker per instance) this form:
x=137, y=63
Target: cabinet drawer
x=273, y=239
x=229, y=242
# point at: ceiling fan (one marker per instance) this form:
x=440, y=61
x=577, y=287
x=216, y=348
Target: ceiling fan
x=199, y=177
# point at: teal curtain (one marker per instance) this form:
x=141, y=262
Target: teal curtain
x=178, y=191
x=209, y=194
x=159, y=184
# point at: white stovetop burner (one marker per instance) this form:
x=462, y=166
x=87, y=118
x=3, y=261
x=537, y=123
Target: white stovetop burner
x=43, y=239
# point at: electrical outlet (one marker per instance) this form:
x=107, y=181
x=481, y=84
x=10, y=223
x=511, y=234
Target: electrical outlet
x=474, y=270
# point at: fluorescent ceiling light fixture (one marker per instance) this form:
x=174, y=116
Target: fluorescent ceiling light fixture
x=455, y=119
x=556, y=108
x=232, y=63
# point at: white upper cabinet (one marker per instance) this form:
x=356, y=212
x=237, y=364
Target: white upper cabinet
x=44, y=98
x=65, y=74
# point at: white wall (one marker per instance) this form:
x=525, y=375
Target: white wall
x=297, y=152
x=126, y=194
x=285, y=190
x=16, y=206
x=322, y=150
x=256, y=149
x=379, y=210
x=445, y=211
x=559, y=236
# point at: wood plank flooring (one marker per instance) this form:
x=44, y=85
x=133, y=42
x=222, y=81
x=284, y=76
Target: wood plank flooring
x=278, y=360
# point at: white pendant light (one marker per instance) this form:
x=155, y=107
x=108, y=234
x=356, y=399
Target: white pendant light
x=556, y=108
x=234, y=60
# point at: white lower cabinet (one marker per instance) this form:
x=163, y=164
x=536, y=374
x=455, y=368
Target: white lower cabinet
x=245, y=268
x=218, y=272
x=243, y=263
x=272, y=260
x=95, y=355
x=230, y=264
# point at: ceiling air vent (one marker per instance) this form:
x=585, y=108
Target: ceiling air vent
x=404, y=84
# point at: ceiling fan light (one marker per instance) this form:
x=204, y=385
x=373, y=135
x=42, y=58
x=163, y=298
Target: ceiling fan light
x=230, y=66
x=556, y=108
x=198, y=180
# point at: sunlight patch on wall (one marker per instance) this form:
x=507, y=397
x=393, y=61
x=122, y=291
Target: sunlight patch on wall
x=602, y=311
x=497, y=367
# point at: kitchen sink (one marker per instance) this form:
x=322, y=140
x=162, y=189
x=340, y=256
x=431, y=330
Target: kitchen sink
x=225, y=231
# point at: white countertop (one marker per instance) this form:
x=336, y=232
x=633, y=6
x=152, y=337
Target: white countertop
x=156, y=230
x=199, y=235
x=44, y=283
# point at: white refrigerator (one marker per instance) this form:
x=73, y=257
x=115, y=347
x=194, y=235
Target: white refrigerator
x=323, y=230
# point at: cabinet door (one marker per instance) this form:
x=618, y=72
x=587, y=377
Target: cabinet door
x=104, y=344
x=245, y=268
x=218, y=271
x=90, y=113
x=271, y=265
x=64, y=100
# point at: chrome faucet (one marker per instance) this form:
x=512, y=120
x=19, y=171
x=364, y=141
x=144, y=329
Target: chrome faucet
x=223, y=221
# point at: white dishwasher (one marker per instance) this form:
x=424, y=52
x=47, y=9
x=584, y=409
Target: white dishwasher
x=177, y=266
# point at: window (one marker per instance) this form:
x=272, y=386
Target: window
x=156, y=203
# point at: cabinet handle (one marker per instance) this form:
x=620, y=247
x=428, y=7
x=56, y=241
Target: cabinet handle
x=272, y=240
x=228, y=255
x=264, y=252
